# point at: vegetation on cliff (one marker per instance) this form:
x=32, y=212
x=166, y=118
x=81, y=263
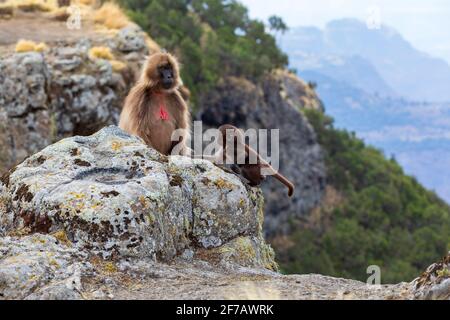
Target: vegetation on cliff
x=213, y=38
x=382, y=216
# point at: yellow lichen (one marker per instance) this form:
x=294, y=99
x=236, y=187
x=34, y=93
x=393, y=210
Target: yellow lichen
x=61, y=236
x=6, y=11
x=84, y=2
x=39, y=240
x=444, y=273
x=223, y=184
x=101, y=53
x=151, y=44
x=111, y=16
x=143, y=202
x=116, y=145
x=110, y=267
x=77, y=195
x=117, y=65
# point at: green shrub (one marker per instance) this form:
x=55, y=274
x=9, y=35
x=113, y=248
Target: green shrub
x=212, y=38
x=386, y=218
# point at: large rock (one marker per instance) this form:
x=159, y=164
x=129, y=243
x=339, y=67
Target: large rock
x=276, y=103
x=112, y=195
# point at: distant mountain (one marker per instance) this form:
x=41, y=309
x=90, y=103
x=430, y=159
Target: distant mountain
x=375, y=83
x=364, y=56
x=417, y=134
x=353, y=70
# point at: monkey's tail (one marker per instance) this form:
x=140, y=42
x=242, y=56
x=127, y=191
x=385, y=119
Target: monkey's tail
x=276, y=175
x=286, y=182
x=280, y=178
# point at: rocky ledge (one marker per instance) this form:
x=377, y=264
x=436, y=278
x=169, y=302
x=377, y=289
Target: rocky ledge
x=104, y=217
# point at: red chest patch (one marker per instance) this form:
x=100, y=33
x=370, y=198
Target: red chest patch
x=163, y=114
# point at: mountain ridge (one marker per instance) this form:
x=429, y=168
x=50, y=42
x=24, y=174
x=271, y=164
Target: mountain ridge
x=403, y=67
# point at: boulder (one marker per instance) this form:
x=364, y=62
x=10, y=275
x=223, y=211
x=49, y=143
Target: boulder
x=113, y=196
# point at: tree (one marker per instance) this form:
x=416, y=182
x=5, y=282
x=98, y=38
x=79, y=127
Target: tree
x=277, y=25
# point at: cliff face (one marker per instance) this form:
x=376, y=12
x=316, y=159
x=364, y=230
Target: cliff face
x=69, y=89
x=275, y=103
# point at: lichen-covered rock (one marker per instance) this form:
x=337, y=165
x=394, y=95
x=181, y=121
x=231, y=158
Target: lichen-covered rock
x=434, y=283
x=111, y=194
x=276, y=103
x=130, y=39
x=46, y=267
x=28, y=265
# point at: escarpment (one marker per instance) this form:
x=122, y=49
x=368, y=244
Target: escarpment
x=75, y=86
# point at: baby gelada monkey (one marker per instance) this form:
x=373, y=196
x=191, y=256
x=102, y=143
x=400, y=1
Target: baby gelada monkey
x=249, y=170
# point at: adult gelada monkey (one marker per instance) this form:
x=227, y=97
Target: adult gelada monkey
x=154, y=108
x=253, y=165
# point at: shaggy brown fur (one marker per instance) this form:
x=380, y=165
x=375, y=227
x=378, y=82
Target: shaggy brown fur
x=154, y=108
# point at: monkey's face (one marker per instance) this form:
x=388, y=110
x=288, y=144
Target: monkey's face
x=166, y=76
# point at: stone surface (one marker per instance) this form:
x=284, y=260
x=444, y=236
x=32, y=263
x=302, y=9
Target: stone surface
x=434, y=283
x=106, y=217
x=276, y=104
x=111, y=194
x=39, y=267
x=43, y=267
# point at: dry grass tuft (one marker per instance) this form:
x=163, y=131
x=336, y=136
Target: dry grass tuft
x=117, y=65
x=33, y=5
x=111, y=16
x=84, y=2
x=101, y=53
x=29, y=46
x=40, y=47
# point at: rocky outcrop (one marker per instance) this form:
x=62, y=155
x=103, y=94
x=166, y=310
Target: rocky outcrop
x=110, y=194
x=65, y=91
x=105, y=217
x=276, y=103
x=108, y=197
x=48, y=267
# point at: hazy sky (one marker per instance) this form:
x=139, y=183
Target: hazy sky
x=425, y=23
